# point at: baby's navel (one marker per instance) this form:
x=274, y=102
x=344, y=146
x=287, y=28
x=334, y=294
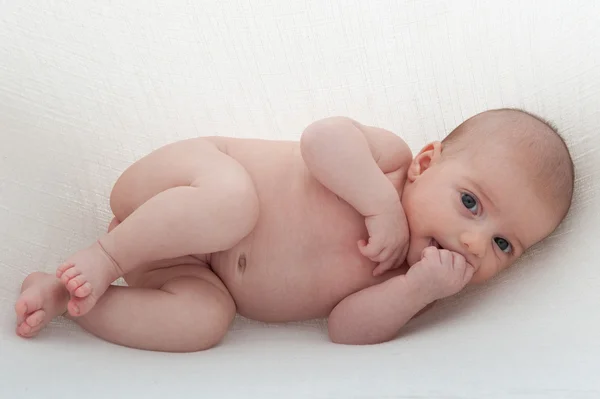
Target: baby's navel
x=241, y=264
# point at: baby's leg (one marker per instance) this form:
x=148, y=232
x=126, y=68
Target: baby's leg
x=42, y=298
x=182, y=308
x=185, y=198
x=191, y=311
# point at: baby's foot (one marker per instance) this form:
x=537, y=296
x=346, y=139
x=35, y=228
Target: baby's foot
x=87, y=275
x=43, y=297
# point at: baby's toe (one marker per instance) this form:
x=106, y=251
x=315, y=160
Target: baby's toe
x=21, y=310
x=35, y=319
x=27, y=305
x=69, y=274
x=24, y=329
x=63, y=268
x=75, y=283
x=36, y=330
x=83, y=290
x=73, y=308
x=80, y=306
x=31, y=333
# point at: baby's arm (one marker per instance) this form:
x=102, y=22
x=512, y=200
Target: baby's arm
x=351, y=160
x=377, y=313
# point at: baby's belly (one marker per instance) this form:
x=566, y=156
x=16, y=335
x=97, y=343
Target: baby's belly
x=302, y=258
x=296, y=270
x=274, y=286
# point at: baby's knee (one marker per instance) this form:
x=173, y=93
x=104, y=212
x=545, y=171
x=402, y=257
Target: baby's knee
x=247, y=207
x=196, y=339
x=215, y=328
x=209, y=311
x=205, y=332
x=236, y=202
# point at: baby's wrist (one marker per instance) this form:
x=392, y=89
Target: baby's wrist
x=419, y=290
x=380, y=200
x=386, y=206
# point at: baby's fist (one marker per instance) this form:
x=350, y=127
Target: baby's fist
x=388, y=239
x=440, y=273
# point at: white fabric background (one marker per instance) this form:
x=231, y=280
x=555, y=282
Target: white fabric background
x=87, y=87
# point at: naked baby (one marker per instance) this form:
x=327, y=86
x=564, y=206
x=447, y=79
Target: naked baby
x=345, y=224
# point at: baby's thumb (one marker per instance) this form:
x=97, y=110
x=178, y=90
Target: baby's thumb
x=469, y=273
x=362, y=247
x=379, y=270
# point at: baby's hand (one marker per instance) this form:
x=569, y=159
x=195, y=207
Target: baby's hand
x=440, y=273
x=388, y=239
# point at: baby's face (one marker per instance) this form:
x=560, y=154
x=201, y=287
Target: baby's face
x=480, y=205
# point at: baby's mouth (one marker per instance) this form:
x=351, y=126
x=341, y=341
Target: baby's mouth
x=434, y=243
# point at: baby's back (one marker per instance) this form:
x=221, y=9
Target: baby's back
x=302, y=257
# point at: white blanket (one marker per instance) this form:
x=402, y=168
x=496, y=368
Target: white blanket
x=88, y=87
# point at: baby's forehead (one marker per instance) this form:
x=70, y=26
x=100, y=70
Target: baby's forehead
x=503, y=127
x=529, y=146
x=504, y=173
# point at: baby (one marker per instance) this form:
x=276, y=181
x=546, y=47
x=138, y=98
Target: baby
x=283, y=231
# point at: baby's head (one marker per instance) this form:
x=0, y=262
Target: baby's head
x=499, y=183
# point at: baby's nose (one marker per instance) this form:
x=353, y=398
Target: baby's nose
x=474, y=242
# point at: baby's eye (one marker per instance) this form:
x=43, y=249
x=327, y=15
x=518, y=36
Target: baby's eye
x=503, y=245
x=470, y=202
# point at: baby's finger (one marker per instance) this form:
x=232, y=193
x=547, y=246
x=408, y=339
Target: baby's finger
x=385, y=254
x=431, y=254
x=383, y=267
x=396, y=259
x=458, y=261
x=362, y=244
x=446, y=257
x=379, y=270
x=367, y=251
x=469, y=272
x=372, y=249
x=399, y=257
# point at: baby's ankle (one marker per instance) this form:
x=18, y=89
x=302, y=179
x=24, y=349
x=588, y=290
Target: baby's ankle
x=115, y=270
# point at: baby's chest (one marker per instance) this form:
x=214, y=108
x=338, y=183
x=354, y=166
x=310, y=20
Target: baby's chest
x=316, y=251
x=325, y=227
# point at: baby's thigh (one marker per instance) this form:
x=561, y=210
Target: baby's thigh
x=198, y=311
x=195, y=162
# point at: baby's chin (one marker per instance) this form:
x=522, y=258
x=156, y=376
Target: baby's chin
x=415, y=250
x=413, y=256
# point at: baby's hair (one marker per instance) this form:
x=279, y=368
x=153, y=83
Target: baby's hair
x=457, y=132
x=546, y=149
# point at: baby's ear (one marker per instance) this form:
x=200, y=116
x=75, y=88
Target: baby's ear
x=429, y=155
